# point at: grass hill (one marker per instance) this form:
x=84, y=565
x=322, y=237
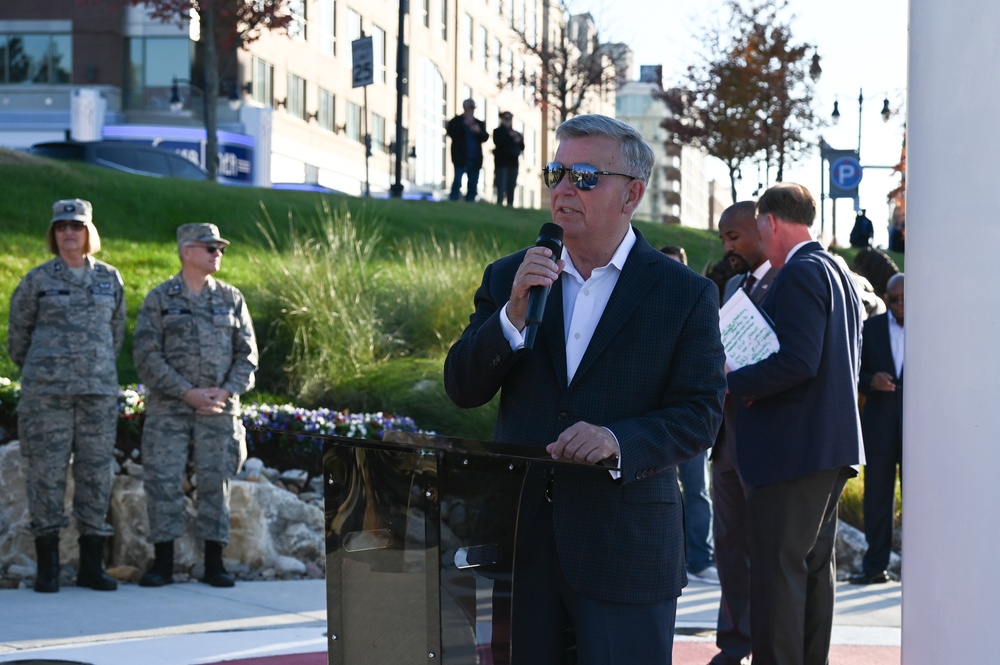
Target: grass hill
x=355, y=301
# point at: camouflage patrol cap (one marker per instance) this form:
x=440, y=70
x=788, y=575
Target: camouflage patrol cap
x=199, y=233
x=76, y=210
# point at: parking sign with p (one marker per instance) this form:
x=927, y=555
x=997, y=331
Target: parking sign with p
x=845, y=176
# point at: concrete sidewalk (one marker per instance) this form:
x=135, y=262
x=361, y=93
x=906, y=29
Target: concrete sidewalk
x=284, y=623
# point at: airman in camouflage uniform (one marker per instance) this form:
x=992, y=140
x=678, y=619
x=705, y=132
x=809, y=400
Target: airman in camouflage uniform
x=196, y=352
x=67, y=323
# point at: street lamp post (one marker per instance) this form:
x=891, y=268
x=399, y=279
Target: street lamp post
x=886, y=113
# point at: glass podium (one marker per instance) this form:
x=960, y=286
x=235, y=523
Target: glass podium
x=419, y=548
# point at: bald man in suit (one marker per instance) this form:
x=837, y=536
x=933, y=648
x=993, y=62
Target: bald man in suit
x=798, y=434
x=745, y=253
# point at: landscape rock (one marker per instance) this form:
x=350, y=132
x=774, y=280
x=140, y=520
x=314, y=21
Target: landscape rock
x=295, y=477
x=273, y=532
x=850, y=551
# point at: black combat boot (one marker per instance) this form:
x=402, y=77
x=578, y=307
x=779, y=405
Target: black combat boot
x=47, y=553
x=215, y=572
x=162, y=571
x=91, y=573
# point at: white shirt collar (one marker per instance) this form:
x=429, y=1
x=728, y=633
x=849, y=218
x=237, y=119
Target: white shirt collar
x=795, y=249
x=761, y=270
x=617, y=259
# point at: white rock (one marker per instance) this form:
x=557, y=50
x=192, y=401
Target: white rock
x=287, y=566
x=296, y=477
x=16, y=572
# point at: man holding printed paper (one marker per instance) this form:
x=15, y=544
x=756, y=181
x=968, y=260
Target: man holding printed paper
x=798, y=434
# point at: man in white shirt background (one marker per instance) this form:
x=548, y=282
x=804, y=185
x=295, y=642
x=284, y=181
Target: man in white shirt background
x=881, y=382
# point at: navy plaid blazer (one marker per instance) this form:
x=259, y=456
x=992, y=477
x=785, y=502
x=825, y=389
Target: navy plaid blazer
x=653, y=374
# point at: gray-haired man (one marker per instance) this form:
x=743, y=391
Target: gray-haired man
x=196, y=352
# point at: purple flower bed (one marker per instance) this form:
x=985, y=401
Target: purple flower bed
x=283, y=436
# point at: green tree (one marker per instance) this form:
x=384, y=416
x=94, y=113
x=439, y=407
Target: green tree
x=786, y=73
x=750, y=95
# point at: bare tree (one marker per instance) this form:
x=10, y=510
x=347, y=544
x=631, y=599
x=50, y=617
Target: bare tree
x=574, y=64
x=226, y=25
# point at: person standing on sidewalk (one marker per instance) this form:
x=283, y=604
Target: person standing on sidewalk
x=798, y=433
x=66, y=327
x=196, y=351
x=745, y=253
x=506, y=157
x=467, y=134
x=882, y=423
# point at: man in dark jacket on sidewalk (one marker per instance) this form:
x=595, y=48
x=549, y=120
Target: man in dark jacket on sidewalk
x=467, y=134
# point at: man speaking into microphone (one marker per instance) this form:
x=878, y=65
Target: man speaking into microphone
x=626, y=371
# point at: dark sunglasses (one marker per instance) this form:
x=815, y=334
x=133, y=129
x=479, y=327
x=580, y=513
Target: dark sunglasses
x=894, y=299
x=581, y=176
x=75, y=225
x=212, y=249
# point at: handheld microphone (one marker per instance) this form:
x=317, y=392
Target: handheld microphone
x=550, y=236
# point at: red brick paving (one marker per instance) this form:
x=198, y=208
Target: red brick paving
x=685, y=653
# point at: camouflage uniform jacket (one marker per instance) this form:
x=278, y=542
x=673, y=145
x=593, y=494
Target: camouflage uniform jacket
x=65, y=331
x=183, y=341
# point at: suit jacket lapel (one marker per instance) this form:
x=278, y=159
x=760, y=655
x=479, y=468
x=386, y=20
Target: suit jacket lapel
x=760, y=292
x=637, y=277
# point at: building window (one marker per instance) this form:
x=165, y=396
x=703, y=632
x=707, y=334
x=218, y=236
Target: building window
x=295, y=102
x=531, y=24
x=427, y=13
x=262, y=82
x=327, y=114
x=508, y=71
x=444, y=20
x=354, y=122
x=432, y=114
x=482, y=54
x=36, y=58
x=353, y=25
x=327, y=26
x=378, y=53
x=151, y=66
x=297, y=26
x=467, y=37
x=378, y=134
x=498, y=61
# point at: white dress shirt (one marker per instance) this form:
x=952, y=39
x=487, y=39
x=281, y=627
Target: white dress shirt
x=584, y=302
x=896, y=343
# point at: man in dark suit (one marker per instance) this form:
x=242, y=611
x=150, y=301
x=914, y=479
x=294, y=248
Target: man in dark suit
x=626, y=372
x=798, y=434
x=467, y=134
x=882, y=423
x=745, y=253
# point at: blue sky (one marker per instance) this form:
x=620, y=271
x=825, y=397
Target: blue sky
x=862, y=44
